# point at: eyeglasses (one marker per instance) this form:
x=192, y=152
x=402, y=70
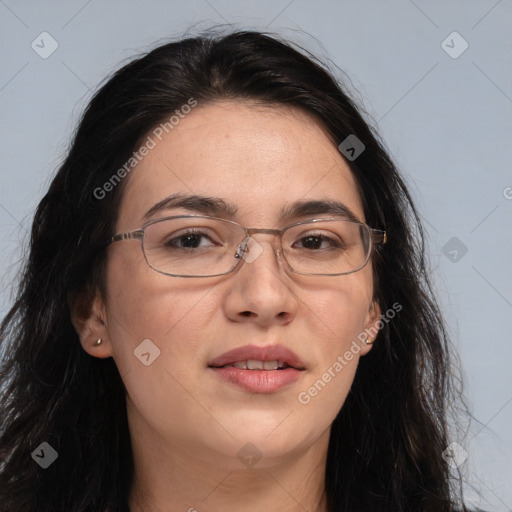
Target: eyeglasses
x=200, y=246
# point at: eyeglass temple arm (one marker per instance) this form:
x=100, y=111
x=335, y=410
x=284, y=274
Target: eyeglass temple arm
x=378, y=236
x=136, y=235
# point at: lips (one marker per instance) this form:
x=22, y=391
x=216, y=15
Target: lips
x=253, y=353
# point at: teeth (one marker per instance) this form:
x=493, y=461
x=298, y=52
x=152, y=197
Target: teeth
x=254, y=365
x=257, y=365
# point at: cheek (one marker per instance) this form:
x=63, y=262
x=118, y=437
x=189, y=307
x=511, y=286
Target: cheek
x=146, y=305
x=156, y=326
x=339, y=310
x=337, y=316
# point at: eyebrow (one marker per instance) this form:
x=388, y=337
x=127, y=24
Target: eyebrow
x=212, y=206
x=217, y=207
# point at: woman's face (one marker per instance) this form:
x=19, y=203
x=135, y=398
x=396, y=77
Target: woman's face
x=259, y=160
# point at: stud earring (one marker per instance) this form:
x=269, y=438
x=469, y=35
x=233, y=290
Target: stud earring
x=99, y=342
x=368, y=341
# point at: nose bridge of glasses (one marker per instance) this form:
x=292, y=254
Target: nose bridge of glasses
x=250, y=232
x=265, y=231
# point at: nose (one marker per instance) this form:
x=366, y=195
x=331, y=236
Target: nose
x=261, y=291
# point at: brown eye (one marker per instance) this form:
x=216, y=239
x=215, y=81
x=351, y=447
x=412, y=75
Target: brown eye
x=318, y=242
x=190, y=239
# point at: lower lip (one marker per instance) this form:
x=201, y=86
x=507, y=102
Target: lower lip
x=259, y=381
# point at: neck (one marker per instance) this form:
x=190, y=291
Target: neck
x=172, y=478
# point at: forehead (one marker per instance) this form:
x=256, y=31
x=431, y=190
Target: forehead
x=259, y=158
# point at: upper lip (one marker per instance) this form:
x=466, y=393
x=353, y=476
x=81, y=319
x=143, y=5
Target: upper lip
x=257, y=353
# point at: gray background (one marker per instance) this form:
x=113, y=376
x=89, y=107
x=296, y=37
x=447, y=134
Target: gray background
x=446, y=121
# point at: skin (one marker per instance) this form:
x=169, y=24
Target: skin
x=187, y=425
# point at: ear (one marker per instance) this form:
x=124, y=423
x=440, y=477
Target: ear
x=88, y=316
x=371, y=327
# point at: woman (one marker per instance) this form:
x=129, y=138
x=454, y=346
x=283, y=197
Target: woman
x=226, y=304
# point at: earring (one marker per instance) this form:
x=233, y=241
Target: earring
x=99, y=342
x=368, y=341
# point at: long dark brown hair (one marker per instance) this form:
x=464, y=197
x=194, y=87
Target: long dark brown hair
x=387, y=441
